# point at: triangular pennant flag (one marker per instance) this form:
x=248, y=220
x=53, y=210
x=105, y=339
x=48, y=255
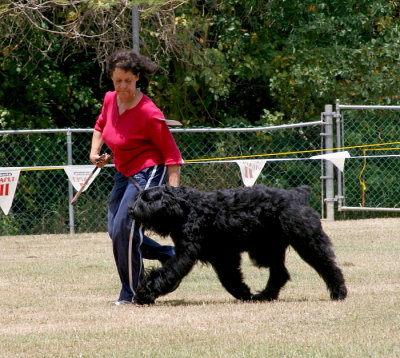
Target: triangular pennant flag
x=78, y=174
x=8, y=185
x=337, y=158
x=250, y=170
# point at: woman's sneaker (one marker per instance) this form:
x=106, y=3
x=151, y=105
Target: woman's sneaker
x=121, y=302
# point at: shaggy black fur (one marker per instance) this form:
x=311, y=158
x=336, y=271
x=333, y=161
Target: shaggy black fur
x=216, y=227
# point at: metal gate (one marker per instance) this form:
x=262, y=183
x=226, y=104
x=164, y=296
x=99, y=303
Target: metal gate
x=370, y=181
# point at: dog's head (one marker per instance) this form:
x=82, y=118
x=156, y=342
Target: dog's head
x=160, y=208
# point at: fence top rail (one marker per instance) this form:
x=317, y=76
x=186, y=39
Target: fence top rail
x=176, y=130
x=248, y=129
x=42, y=131
x=344, y=106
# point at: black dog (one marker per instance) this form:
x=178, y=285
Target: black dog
x=216, y=227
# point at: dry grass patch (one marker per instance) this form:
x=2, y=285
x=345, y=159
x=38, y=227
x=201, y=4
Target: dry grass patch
x=55, y=289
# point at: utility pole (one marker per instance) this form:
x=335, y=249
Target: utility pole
x=135, y=28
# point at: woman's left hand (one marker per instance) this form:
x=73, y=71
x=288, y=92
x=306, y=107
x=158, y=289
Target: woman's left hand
x=174, y=175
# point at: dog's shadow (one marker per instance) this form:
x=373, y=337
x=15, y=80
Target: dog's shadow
x=187, y=303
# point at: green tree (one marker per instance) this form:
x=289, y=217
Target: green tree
x=338, y=49
x=52, y=58
x=222, y=62
x=229, y=61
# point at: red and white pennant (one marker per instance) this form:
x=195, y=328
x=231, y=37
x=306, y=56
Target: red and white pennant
x=8, y=185
x=250, y=170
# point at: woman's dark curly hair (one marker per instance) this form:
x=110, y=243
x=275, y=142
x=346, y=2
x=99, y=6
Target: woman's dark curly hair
x=130, y=60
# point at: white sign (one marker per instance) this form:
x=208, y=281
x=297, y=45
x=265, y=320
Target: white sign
x=78, y=175
x=250, y=170
x=8, y=185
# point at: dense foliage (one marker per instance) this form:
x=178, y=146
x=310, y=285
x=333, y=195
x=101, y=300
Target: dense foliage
x=222, y=62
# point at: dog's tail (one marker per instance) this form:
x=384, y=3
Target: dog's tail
x=303, y=193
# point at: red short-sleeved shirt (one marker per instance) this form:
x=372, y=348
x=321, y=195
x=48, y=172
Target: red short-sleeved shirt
x=139, y=138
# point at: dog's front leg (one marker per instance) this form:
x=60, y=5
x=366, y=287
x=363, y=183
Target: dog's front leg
x=159, y=282
x=227, y=267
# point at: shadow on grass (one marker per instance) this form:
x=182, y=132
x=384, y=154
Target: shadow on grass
x=187, y=303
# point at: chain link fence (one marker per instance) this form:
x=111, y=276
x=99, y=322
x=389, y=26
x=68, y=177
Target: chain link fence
x=41, y=202
x=370, y=183
x=368, y=186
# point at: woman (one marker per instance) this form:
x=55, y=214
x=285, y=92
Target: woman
x=145, y=155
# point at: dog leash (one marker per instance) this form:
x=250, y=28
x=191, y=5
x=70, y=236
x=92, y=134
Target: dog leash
x=86, y=182
x=136, y=184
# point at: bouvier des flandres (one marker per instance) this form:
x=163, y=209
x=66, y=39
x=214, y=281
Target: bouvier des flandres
x=216, y=227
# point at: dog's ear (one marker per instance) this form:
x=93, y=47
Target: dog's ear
x=175, y=197
x=163, y=197
x=176, y=192
x=151, y=194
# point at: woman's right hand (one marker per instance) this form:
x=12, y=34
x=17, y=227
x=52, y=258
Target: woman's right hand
x=99, y=160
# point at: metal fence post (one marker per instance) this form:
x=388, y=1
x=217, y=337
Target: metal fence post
x=70, y=188
x=339, y=144
x=329, y=174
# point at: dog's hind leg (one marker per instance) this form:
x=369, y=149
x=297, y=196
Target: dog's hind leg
x=227, y=267
x=322, y=259
x=306, y=236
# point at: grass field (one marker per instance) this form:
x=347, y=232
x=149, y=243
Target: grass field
x=55, y=292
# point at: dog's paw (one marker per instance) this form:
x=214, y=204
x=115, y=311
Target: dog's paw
x=262, y=297
x=144, y=296
x=143, y=301
x=339, y=294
